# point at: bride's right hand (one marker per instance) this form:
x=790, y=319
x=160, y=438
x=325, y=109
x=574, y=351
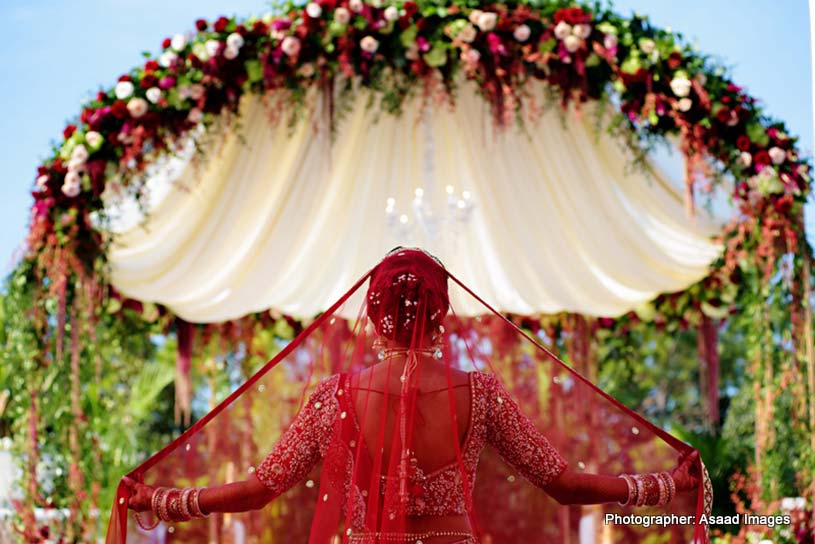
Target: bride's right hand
x=141, y=495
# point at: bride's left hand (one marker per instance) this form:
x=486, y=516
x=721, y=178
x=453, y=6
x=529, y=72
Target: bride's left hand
x=686, y=473
x=141, y=495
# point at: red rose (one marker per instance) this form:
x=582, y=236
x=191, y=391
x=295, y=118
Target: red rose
x=762, y=158
x=151, y=66
x=166, y=43
x=149, y=80
x=100, y=96
x=674, y=60
x=743, y=143
x=201, y=25
x=220, y=24
x=260, y=28
x=410, y=9
x=119, y=109
x=725, y=100
x=783, y=205
x=125, y=77
x=69, y=131
x=723, y=115
x=561, y=15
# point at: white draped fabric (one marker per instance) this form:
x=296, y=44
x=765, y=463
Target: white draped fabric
x=280, y=218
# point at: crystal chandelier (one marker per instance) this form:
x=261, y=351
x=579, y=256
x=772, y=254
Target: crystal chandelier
x=426, y=223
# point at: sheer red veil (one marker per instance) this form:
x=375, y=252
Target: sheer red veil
x=411, y=398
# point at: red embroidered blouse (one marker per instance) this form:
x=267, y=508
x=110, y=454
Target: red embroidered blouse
x=495, y=419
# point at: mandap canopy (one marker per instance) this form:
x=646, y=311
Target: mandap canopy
x=222, y=194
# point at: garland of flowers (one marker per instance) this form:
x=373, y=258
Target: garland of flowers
x=393, y=49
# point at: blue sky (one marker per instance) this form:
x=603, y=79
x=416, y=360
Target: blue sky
x=58, y=52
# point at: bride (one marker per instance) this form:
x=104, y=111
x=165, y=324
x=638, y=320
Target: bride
x=399, y=438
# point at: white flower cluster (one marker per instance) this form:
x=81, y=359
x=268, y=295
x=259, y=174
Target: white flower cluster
x=573, y=37
x=485, y=20
x=136, y=106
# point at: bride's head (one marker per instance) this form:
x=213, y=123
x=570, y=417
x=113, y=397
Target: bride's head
x=407, y=297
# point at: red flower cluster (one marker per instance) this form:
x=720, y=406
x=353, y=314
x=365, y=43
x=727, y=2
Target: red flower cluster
x=574, y=16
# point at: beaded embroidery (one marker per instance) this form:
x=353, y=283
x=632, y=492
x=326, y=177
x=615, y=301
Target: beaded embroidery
x=495, y=420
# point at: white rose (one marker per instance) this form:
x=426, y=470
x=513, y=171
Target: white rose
x=648, y=46
x=314, y=10
x=474, y=15
x=290, y=46
x=685, y=104
x=212, y=47
x=777, y=155
x=342, y=15
x=355, y=5
x=582, y=31
x=610, y=41
x=467, y=33
x=79, y=154
x=231, y=53
x=486, y=21
x=369, y=44
x=167, y=58
x=178, y=42
x=137, y=107
x=72, y=178
x=522, y=33
x=391, y=13
x=94, y=139
x=42, y=181
x=71, y=189
x=153, y=94
x=562, y=30
x=196, y=91
x=200, y=51
x=471, y=56
x=123, y=89
x=235, y=40
x=681, y=86
x=195, y=115
x=745, y=159
x=572, y=43
x=75, y=165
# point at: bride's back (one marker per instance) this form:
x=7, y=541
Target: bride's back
x=442, y=409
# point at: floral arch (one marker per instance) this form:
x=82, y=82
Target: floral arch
x=74, y=348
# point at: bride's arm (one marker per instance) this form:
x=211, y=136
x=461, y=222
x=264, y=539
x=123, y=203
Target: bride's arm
x=293, y=457
x=525, y=448
x=235, y=497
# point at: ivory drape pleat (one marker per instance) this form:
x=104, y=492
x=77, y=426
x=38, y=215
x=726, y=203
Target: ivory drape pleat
x=281, y=218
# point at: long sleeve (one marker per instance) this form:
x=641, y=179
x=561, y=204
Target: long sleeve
x=517, y=440
x=303, y=444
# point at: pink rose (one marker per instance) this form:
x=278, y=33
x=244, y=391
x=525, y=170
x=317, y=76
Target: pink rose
x=290, y=46
x=342, y=15
x=137, y=107
x=777, y=155
x=522, y=33
x=369, y=44
x=195, y=115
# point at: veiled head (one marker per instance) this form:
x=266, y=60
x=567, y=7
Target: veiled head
x=407, y=297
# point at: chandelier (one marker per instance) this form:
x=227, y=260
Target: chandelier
x=434, y=220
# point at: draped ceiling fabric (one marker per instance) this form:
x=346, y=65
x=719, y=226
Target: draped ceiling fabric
x=281, y=218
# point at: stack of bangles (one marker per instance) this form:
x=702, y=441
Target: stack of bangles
x=170, y=504
x=652, y=489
